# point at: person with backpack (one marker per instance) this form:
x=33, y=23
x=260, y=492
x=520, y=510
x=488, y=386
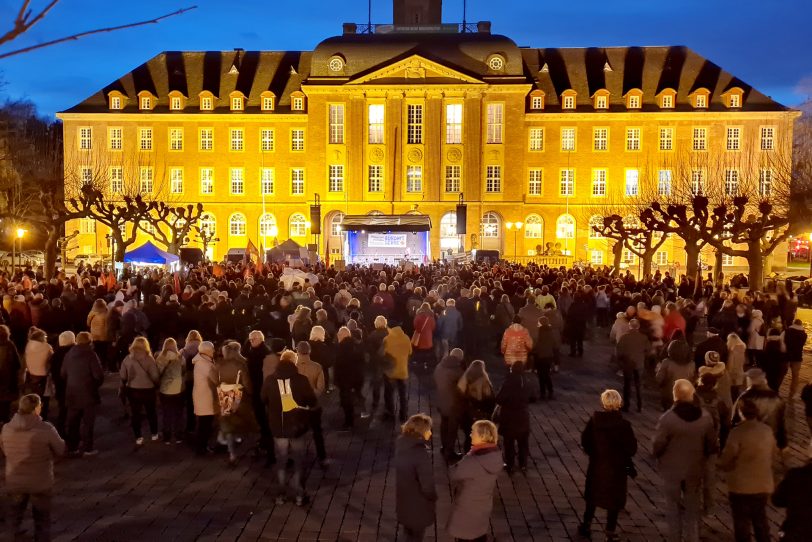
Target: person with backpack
x=288, y=396
x=139, y=377
x=171, y=367
x=315, y=376
x=233, y=384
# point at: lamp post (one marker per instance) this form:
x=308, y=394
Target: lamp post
x=517, y=226
x=20, y=235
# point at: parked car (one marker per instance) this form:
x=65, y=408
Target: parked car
x=33, y=257
x=91, y=259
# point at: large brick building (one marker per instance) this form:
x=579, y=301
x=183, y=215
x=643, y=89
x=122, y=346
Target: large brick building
x=411, y=117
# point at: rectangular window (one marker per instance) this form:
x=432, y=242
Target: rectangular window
x=174, y=104
x=567, y=139
x=596, y=257
x=601, y=102
x=297, y=181
x=176, y=180
x=376, y=114
x=146, y=103
x=701, y=101
x=206, y=180
x=116, y=179
x=632, y=182
x=566, y=185
x=536, y=139
x=495, y=123
x=236, y=103
x=206, y=103
x=237, y=139
x=267, y=103
x=664, y=182
x=414, y=124
x=86, y=175
x=765, y=182
x=297, y=142
x=700, y=140
x=734, y=139
x=85, y=139
x=668, y=102
x=237, y=175
x=176, y=139
x=453, y=177
x=336, y=129
x=298, y=104
x=735, y=100
x=598, y=183
x=266, y=178
x=731, y=182
x=536, y=103
x=632, y=139
x=146, y=180
x=661, y=257
x=87, y=225
x=569, y=102
x=115, y=102
x=767, y=138
x=628, y=256
x=266, y=140
x=535, y=179
x=336, y=178
x=697, y=181
x=634, y=102
x=666, y=139
x=493, y=179
x=375, y=179
x=414, y=178
x=115, y=138
x=453, y=124
x=727, y=260
x=600, y=139
x=206, y=139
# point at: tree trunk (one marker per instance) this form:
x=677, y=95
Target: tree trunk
x=173, y=248
x=754, y=261
x=51, y=242
x=691, y=259
x=646, y=260
x=617, y=257
x=118, y=254
x=717, y=267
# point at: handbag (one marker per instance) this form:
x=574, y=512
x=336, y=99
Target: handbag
x=229, y=396
x=417, y=334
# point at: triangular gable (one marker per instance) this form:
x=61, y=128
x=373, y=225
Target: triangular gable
x=415, y=68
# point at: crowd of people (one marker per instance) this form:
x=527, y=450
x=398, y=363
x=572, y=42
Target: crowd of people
x=227, y=353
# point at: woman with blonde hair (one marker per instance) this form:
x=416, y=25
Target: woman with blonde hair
x=172, y=368
x=139, y=377
x=37, y=365
x=609, y=441
x=736, y=352
x=97, y=324
x=478, y=397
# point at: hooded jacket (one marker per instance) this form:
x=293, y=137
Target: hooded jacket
x=30, y=446
x=683, y=440
x=397, y=347
x=293, y=423
x=473, y=480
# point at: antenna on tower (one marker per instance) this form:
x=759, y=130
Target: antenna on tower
x=464, y=9
x=369, y=13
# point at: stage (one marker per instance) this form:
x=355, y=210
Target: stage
x=386, y=239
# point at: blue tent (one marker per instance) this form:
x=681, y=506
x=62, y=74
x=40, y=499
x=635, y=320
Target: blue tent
x=149, y=254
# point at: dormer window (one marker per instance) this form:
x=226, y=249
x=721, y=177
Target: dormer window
x=297, y=101
x=667, y=101
x=267, y=103
x=633, y=101
x=537, y=102
x=237, y=103
x=206, y=103
x=175, y=103
x=568, y=102
x=146, y=103
x=735, y=100
x=701, y=101
x=115, y=102
x=601, y=102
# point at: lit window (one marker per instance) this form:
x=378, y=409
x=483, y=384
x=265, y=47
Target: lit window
x=664, y=182
x=206, y=139
x=661, y=257
x=533, y=225
x=208, y=224
x=298, y=225
x=601, y=102
x=297, y=181
x=86, y=175
x=632, y=182
x=146, y=103
x=145, y=139
x=297, y=104
x=267, y=103
x=596, y=227
x=146, y=180
x=266, y=177
x=700, y=139
x=596, y=257
x=414, y=124
x=87, y=225
x=667, y=101
x=336, y=128
x=701, y=101
x=536, y=139
x=565, y=227
x=495, y=122
x=765, y=182
x=206, y=103
x=237, y=181
x=634, y=102
x=237, y=103
x=115, y=137
x=336, y=178
x=598, y=183
x=535, y=178
x=567, y=139
x=176, y=139
x=236, y=224
x=632, y=139
x=731, y=182
x=493, y=179
x=767, y=138
x=727, y=260
x=266, y=136
x=628, y=256
x=697, y=181
x=147, y=227
x=115, y=102
x=566, y=185
x=376, y=123
x=733, y=139
x=207, y=180
x=86, y=138
x=297, y=141
x=335, y=224
x=600, y=139
x=537, y=103
x=489, y=225
x=116, y=180
x=666, y=139
x=267, y=225
x=569, y=102
x=414, y=178
x=176, y=180
x=375, y=181
x=735, y=100
x=175, y=104
x=237, y=139
x=453, y=124
x=453, y=175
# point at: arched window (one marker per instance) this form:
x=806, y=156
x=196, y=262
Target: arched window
x=565, y=227
x=267, y=226
x=533, y=227
x=335, y=224
x=208, y=223
x=448, y=232
x=236, y=224
x=489, y=225
x=298, y=225
x=596, y=221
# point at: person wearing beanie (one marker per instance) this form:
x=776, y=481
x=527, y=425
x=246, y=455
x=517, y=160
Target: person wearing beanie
x=714, y=362
x=713, y=343
x=771, y=407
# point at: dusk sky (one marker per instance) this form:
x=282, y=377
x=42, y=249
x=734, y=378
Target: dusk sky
x=766, y=44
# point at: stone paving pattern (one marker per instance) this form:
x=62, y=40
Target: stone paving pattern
x=166, y=493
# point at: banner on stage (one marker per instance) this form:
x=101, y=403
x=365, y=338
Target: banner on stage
x=386, y=240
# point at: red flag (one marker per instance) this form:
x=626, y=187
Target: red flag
x=251, y=252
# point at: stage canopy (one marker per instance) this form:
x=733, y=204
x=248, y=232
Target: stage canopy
x=386, y=223
x=149, y=254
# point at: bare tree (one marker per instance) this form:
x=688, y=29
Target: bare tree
x=171, y=225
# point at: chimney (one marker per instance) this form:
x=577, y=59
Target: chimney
x=483, y=27
x=350, y=28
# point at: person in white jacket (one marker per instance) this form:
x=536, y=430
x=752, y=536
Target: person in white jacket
x=203, y=396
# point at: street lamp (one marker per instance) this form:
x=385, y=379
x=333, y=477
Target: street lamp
x=517, y=226
x=20, y=235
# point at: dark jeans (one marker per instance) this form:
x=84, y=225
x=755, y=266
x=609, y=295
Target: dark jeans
x=628, y=378
x=190, y=407
x=449, y=427
x=172, y=415
x=348, y=397
x=204, y=425
x=545, y=382
x=102, y=349
x=142, y=399
x=389, y=386
x=510, y=450
x=746, y=509
x=41, y=508
x=376, y=382
x=265, y=439
x=413, y=535
x=611, y=517
x=318, y=433
x=576, y=336
x=80, y=424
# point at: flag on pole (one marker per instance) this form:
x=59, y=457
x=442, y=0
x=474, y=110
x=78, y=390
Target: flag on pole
x=251, y=252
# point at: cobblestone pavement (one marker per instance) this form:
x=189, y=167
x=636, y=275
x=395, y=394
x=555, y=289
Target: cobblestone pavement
x=166, y=493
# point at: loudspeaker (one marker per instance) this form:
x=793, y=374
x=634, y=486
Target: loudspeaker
x=462, y=219
x=315, y=219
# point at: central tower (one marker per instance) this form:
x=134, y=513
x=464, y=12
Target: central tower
x=417, y=12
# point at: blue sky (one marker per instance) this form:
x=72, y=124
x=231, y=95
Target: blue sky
x=766, y=44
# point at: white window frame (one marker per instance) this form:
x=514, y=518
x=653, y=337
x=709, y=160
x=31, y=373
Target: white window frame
x=666, y=138
x=297, y=225
x=116, y=177
x=206, y=139
x=267, y=222
x=632, y=184
x=115, y=102
x=565, y=226
x=568, y=139
x=85, y=138
x=267, y=140
x=297, y=181
x=414, y=124
x=634, y=138
x=765, y=182
x=206, y=103
x=568, y=102
x=335, y=178
x=237, y=103
x=267, y=103
x=728, y=260
x=535, y=181
x=767, y=138
x=237, y=139
x=236, y=181
x=175, y=104
x=664, y=182
x=87, y=226
x=376, y=123
x=599, y=182
x=595, y=220
x=414, y=179
x=536, y=139
x=175, y=139
x=453, y=123
x=375, y=178
x=735, y=100
x=699, y=138
x=600, y=139
x=176, y=180
x=453, y=178
x=207, y=181
x=297, y=139
x=566, y=182
x=536, y=103
x=237, y=225
x=533, y=227
x=146, y=179
x=667, y=101
x=731, y=182
x=145, y=103
x=495, y=123
x=634, y=101
x=596, y=257
x=733, y=138
x=115, y=137
x=661, y=257
x=698, y=180
x=335, y=131
x=86, y=175
x=297, y=103
x=602, y=102
x=493, y=178
x=267, y=181
x=701, y=101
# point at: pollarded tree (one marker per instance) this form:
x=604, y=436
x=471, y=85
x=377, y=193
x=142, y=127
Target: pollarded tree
x=689, y=222
x=171, y=225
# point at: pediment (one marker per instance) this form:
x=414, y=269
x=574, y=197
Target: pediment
x=415, y=70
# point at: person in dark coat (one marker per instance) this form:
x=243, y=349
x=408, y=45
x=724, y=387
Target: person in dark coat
x=478, y=397
x=415, y=491
x=514, y=416
x=713, y=343
x=449, y=401
x=255, y=351
x=793, y=494
x=322, y=353
x=83, y=376
x=544, y=352
x=349, y=375
x=66, y=341
x=576, y=319
x=610, y=443
x=10, y=367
